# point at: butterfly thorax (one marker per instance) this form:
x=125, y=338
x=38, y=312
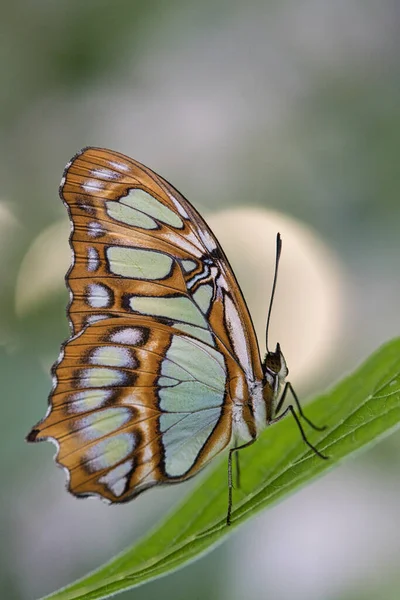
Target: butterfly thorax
x=254, y=402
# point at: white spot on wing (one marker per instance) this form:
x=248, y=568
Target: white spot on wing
x=119, y=166
x=98, y=296
x=93, y=259
x=113, y=356
x=92, y=185
x=95, y=230
x=128, y=335
x=115, y=479
x=94, y=318
x=118, y=487
x=105, y=173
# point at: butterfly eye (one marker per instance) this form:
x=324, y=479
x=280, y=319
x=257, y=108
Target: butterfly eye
x=275, y=364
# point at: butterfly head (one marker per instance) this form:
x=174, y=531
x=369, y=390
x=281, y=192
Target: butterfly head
x=275, y=364
x=275, y=371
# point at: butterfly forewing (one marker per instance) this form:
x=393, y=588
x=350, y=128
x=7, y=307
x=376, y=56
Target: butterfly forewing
x=162, y=341
x=130, y=225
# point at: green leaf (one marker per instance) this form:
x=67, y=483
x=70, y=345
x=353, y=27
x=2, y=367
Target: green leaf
x=360, y=410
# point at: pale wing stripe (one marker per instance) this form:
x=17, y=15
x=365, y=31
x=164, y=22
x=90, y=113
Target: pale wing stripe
x=238, y=336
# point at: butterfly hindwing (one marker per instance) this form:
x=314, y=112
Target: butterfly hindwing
x=134, y=405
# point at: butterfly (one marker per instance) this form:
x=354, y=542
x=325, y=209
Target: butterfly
x=162, y=371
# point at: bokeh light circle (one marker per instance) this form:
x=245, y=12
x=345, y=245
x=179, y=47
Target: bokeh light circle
x=308, y=311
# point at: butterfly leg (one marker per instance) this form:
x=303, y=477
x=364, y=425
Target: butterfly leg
x=230, y=482
x=237, y=469
x=299, y=425
x=288, y=386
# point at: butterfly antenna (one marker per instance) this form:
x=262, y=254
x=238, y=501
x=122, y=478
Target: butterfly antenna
x=277, y=257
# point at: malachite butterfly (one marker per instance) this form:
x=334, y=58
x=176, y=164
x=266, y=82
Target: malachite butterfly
x=162, y=370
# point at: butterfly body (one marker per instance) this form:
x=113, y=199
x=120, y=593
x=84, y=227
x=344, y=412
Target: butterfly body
x=162, y=370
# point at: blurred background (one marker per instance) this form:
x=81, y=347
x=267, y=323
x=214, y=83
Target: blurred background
x=268, y=116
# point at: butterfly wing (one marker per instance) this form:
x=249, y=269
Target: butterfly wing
x=162, y=341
